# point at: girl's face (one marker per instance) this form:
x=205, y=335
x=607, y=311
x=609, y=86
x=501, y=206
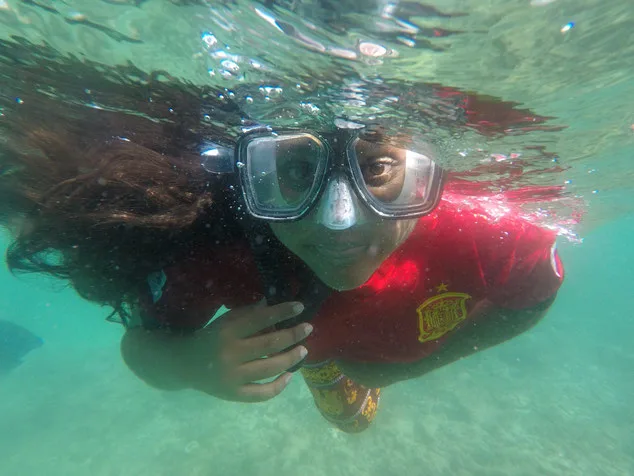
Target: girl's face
x=343, y=259
x=346, y=258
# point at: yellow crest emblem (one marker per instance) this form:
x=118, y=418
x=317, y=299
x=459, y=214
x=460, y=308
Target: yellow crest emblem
x=441, y=314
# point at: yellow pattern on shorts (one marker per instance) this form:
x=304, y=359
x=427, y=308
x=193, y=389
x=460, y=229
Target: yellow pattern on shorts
x=345, y=403
x=372, y=405
x=322, y=375
x=351, y=391
x=329, y=402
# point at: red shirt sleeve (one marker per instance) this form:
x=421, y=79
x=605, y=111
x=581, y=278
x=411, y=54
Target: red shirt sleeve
x=197, y=286
x=520, y=263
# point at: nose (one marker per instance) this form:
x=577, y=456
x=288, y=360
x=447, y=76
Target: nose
x=339, y=207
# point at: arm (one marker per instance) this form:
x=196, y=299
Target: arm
x=523, y=274
x=154, y=352
x=493, y=326
x=496, y=326
x=152, y=356
x=223, y=359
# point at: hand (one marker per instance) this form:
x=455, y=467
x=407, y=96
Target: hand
x=227, y=358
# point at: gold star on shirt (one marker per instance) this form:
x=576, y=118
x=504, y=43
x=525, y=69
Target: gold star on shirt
x=442, y=287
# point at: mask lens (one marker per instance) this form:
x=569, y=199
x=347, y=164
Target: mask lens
x=394, y=179
x=283, y=171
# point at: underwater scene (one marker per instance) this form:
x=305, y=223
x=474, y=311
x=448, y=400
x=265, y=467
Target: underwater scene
x=275, y=237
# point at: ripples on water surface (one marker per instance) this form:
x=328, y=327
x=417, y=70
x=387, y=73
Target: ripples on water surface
x=561, y=64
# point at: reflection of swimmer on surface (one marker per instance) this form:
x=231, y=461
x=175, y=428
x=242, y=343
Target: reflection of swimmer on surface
x=15, y=343
x=343, y=225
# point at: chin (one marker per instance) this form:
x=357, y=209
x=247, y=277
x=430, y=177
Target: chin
x=344, y=281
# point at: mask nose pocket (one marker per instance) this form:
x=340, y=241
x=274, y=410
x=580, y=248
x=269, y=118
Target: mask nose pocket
x=338, y=206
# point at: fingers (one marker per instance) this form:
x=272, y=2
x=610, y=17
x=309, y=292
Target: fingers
x=266, y=368
x=273, y=342
x=245, y=322
x=238, y=358
x=260, y=392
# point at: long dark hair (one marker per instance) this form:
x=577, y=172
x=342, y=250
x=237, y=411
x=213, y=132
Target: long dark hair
x=104, y=190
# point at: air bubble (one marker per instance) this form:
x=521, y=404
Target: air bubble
x=309, y=107
x=567, y=27
x=209, y=39
x=77, y=16
x=230, y=66
x=372, y=49
x=219, y=54
x=271, y=91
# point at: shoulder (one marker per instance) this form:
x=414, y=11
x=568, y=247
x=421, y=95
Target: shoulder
x=515, y=259
x=188, y=293
x=518, y=258
x=491, y=225
x=225, y=271
x=461, y=227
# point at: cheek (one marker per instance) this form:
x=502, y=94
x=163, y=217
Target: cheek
x=289, y=234
x=394, y=232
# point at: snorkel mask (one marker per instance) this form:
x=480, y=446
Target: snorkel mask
x=286, y=173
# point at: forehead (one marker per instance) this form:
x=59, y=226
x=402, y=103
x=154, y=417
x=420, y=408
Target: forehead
x=340, y=133
x=364, y=134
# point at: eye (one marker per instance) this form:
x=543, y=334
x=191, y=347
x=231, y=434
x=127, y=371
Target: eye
x=299, y=171
x=378, y=168
x=297, y=175
x=378, y=171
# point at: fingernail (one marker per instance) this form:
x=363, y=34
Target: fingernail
x=307, y=329
x=298, y=307
x=303, y=352
x=287, y=378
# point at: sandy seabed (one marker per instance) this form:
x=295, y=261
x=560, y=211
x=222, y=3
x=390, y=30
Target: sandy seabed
x=555, y=401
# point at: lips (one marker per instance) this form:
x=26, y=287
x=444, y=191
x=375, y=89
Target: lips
x=342, y=251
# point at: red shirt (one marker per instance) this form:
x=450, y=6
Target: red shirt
x=455, y=259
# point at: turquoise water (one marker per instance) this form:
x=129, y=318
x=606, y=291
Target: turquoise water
x=556, y=400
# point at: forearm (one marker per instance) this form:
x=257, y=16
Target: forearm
x=155, y=356
x=493, y=327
